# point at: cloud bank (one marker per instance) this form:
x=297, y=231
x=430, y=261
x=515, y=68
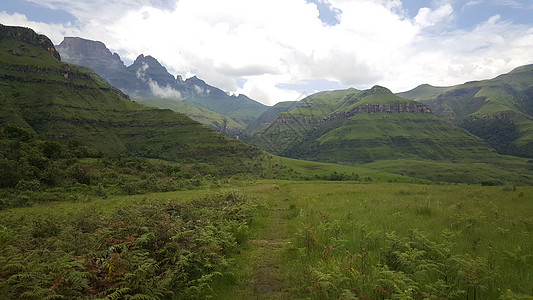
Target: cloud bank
x=262, y=48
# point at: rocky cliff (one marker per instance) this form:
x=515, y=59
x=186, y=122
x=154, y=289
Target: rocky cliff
x=28, y=36
x=94, y=55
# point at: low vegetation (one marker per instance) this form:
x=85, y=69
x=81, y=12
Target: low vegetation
x=144, y=249
x=275, y=239
x=393, y=241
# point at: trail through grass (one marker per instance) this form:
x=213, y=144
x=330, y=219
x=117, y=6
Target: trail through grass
x=262, y=271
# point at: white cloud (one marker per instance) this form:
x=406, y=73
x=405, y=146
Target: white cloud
x=268, y=43
x=164, y=92
x=56, y=32
x=427, y=17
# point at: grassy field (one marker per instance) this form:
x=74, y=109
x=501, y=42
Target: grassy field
x=274, y=239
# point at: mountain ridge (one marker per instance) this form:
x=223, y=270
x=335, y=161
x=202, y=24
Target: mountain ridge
x=64, y=102
x=316, y=122
x=147, y=78
x=499, y=110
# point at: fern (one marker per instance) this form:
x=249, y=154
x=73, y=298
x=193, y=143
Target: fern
x=118, y=294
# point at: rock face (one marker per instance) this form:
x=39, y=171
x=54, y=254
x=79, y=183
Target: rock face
x=94, y=55
x=368, y=108
x=28, y=36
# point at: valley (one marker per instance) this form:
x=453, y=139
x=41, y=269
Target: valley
x=126, y=182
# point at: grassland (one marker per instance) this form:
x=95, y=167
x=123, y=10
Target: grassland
x=299, y=240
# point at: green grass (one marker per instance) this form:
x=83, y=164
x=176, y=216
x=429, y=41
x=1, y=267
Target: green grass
x=509, y=171
x=311, y=240
x=343, y=234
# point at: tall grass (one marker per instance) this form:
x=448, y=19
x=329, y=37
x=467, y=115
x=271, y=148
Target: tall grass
x=397, y=241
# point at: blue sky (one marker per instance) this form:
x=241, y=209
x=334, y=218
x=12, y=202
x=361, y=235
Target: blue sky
x=282, y=50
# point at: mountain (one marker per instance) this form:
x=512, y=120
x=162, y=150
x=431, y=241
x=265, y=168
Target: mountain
x=64, y=102
x=499, y=110
x=352, y=126
x=147, y=78
x=266, y=118
x=376, y=129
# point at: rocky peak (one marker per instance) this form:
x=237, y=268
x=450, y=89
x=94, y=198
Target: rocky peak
x=196, y=80
x=141, y=59
x=29, y=36
x=76, y=47
x=149, y=68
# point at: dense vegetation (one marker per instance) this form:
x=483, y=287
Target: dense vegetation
x=33, y=170
x=144, y=249
x=282, y=240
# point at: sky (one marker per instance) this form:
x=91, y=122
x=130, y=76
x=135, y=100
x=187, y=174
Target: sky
x=283, y=50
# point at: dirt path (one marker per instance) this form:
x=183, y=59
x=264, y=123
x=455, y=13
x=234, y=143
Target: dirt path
x=268, y=280
x=263, y=272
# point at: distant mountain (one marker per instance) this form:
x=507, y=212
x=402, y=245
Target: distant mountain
x=352, y=126
x=499, y=110
x=147, y=78
x=64, y=102
x=266, y=118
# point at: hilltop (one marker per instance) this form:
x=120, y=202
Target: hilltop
x=499, y=110
x=352, y=126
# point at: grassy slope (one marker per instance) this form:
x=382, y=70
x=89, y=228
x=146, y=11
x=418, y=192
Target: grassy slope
x=379, y=136
x=417, y=144
x=240, y=108
x=365, y=137
x=291, y=127
x=213, y=120
x=482, y=107
x=65, y=102
x=423, y=91
x=266, y=118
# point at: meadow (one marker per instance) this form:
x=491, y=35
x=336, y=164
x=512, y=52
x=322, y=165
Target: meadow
x=275, y=239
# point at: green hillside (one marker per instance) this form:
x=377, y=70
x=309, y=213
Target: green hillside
x=266, y=118
x=63, y=102
x=220, y=123
x=353, y=127
x=291, y=127
x=499, y=110
x=240, y=108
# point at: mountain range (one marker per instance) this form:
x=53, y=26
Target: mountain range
x=146, y=79
x=454, y=134
x=381, y=130
x=64, y=102
x=353, y=126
